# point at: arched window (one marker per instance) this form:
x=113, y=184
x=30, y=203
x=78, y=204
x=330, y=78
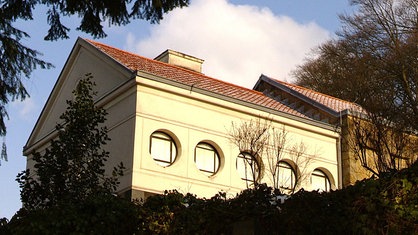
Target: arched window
x=286, y=176
x=248, y=167
x=320, y=181
x=206, y=158
x=163, y=148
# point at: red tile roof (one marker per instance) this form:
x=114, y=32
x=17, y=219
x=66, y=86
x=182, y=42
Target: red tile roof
x=187, y=77
x=331, y=102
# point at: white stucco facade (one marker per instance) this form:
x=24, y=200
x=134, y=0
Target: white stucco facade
x=140, y=103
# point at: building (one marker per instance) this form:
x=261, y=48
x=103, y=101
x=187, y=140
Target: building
x=324, y=108
x=169, y=124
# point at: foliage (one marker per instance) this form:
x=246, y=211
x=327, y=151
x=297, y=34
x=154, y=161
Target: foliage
x=388, y=205
x=373, y=63
x=3, y=154
x=72, y=168
x=97, y=214
x=18, y=60
x=93, y=13
x=69, y=192
x=373, y=60
x=253, y=204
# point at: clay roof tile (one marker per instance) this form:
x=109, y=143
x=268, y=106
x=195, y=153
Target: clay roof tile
x=331, y=102
x=136, y=62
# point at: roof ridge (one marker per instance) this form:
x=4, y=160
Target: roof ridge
x=94, y=43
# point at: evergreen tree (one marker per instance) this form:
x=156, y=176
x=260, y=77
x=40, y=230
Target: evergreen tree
x=18, y=60
x=72, y=168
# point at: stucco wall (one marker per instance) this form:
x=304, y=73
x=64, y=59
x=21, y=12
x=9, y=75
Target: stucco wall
x=139, y=106
x=189, y=118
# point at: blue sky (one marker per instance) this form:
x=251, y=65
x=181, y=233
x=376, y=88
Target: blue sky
x=238, y=39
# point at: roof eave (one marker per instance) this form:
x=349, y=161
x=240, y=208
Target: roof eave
x=237, y=101
x=264, y=78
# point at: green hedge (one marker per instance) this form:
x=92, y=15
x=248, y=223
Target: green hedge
x=388, y=205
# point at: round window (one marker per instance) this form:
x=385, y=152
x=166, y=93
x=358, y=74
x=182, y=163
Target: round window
x=206, y=158
x=248, y=167
x=163, y=148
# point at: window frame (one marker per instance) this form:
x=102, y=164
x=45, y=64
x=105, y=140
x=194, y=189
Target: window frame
x=244, y=156
x=163, y=136
x=320, y=174
x=216, y=157
x=293, y=176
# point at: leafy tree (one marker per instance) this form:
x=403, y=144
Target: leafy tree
x=97, y=214
x=373, y=62
x=18, y=60
x=69, y=192
x=372, y=206
x=72, y=168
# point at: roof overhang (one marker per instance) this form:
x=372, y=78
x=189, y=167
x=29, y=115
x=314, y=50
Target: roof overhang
x=191, y=88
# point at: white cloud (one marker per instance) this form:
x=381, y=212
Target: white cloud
x=237, y=42
x=24, y=109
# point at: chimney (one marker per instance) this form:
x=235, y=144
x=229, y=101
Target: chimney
x=181, y=60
